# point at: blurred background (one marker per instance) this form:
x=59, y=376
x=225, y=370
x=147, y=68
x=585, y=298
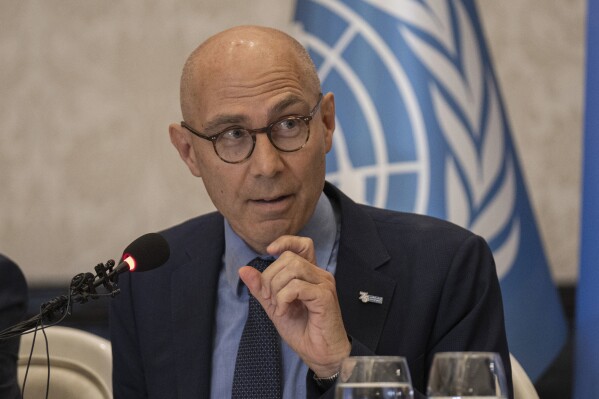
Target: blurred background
x=89, y=89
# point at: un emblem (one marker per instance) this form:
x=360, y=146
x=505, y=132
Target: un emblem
x=419, y=119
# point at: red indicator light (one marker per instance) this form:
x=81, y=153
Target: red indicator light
x=130, y=261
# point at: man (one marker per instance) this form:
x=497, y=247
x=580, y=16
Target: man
x=256, y=130
x=13, y=305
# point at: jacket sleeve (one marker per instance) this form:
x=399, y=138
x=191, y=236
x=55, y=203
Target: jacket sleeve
x=357, y=349
x=470, y=312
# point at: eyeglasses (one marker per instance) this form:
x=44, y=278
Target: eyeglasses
x=236, y=144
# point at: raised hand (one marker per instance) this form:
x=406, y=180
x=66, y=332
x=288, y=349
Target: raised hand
x=301, y=300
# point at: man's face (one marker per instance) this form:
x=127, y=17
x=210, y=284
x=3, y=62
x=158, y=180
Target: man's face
x=272, y=193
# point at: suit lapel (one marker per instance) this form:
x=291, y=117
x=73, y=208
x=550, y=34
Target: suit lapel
x=363, y=321
x=361, y=253
x=193, y=288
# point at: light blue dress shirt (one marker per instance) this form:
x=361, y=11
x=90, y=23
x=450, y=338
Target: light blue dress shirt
x=232, y=302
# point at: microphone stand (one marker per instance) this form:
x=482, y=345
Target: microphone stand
x=83, y=288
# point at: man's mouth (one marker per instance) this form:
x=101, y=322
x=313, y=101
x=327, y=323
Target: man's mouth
x=272, y=200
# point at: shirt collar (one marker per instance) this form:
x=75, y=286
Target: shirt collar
x=321, y=228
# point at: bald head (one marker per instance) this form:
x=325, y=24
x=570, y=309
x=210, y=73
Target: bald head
x=225, y=55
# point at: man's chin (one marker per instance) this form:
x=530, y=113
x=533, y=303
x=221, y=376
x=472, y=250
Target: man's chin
x=267, y=232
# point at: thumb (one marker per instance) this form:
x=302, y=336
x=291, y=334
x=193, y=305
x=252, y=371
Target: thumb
x=252, y=279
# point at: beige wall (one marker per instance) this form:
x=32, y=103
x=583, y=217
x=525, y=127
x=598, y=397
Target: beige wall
x=538, y=52
x=88, y=89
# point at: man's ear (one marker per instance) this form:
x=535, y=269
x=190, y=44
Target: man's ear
x=182, y=141
x=327, y=111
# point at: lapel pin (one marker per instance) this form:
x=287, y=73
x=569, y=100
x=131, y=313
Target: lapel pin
x=364, y=297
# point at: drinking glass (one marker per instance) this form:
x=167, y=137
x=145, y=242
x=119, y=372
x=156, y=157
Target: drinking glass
x=467, y=375
x=380, y=377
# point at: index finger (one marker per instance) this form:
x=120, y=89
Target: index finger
x=302, y=246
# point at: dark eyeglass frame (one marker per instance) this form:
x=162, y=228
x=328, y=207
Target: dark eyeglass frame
x=267, y=129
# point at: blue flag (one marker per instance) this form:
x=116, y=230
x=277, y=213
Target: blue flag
x=421, y=127
x=586, y=380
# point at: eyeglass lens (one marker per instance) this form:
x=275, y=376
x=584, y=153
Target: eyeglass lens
x=289, y=134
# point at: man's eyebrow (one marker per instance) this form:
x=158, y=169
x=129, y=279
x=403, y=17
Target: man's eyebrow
x=224, y=119
x=284, y=104
x=239, y=119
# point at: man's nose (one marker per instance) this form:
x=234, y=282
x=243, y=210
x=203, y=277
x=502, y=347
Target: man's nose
x=266, y=159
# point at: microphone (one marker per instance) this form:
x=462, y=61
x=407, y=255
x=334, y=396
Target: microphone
x=146, y=253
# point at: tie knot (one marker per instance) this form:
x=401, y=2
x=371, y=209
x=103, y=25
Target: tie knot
x=261, y=264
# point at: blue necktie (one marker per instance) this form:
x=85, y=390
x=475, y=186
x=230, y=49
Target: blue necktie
x=258, y=365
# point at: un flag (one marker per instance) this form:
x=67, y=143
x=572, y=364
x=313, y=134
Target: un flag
x=421, y=127
x=586, y=355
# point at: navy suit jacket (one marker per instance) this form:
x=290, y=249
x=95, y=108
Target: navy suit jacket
x=438, y=283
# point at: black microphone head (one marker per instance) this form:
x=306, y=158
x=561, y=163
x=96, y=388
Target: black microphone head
x=149, y=252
